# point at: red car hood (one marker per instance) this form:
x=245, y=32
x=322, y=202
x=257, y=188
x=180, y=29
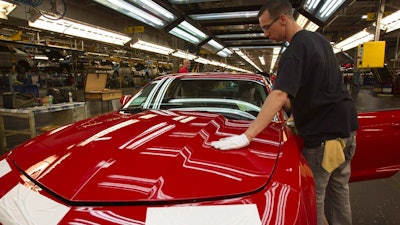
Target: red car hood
x=150, y=156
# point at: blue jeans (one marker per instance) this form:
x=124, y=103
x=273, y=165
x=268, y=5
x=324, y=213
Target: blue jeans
x=332, y=189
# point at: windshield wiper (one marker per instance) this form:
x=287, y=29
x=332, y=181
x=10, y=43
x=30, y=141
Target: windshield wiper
x=133, y=109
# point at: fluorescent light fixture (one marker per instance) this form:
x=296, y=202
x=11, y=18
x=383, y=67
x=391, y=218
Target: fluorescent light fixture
x=147, y=46
x=262, y=60
x=184, y=25
x=232, y=36
x=202, y=60
x=215, y=44
x=188, y=32
x=225, y=53
x=249, y=47
x=78, y=29
x=3, y=16
x=311, y=26
x=322, y=10
x=306, y=23
x=391, y=22
x=5, y=9
x=245, y=57
x=353, y=41
x=145, y=11
x=184, y=35
x=219, y=64
x=184, y=55
x=301, y=20
x=225, y=15
x=222, y=54
x=40, y=57
x=275, y=55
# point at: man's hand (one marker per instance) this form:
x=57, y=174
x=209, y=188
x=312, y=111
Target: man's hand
x=233, y=142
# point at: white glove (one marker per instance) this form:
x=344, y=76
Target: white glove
x=233, y=142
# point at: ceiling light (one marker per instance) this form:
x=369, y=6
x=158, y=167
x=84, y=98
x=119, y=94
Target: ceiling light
x=145, y=11
x=3, y=16
x=213, y=46
x=192, y=30
x=391, y=22
x=251, y=35
x=202, y=60
x=188, y=32
x=147, y=46
x=184, y=35
x=311, y=26
x=301, y=20
x=225, y=53
x=78, y=29
x=322, y=10
x=184, y=55
x=5, y=9
x=262, y=60
x=353, y=41
x=275, y=55
x=245, y=57
x=306, y=23
x=225, y=15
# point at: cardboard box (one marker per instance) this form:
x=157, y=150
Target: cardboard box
x=18, y=100
x=95, y=88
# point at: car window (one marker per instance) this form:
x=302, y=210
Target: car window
x=239, y=99
x=248, y=91
x=140, y=97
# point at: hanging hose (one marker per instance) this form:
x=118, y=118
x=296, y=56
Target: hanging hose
x=33, y=3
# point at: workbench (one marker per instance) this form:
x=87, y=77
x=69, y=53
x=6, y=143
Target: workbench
x=95, y=90
x=62, y=114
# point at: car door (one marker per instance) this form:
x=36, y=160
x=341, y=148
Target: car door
x=378, y=145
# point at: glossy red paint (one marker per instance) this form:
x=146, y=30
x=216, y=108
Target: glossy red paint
x=378, y=147
x=113, y=168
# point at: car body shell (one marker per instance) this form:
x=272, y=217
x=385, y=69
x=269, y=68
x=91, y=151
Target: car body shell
x=130, y=167
x=11, y=56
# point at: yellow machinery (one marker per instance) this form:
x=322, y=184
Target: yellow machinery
x=371, y=54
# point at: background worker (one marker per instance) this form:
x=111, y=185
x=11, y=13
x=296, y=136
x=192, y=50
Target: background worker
x=185, y=66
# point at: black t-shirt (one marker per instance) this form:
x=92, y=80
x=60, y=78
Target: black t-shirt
x=309, y=73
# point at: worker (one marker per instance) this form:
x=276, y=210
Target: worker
x=185, y=66
x=309, y=81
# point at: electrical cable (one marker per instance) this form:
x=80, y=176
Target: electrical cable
x=51, y=13
x=56, y=16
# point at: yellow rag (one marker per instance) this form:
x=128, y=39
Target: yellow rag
x=333, y=154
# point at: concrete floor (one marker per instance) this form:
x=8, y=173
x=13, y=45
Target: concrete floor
x=373, y=202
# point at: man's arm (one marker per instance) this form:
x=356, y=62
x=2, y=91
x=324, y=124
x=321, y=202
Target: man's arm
x=272, y=105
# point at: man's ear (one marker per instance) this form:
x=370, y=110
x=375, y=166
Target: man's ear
x=282, y=19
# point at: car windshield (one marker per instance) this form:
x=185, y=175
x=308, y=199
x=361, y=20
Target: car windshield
x=238, y=99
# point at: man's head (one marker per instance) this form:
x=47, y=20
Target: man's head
x=275, y=16
x=186, y=63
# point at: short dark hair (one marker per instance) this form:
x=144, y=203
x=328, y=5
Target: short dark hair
x=276, y=7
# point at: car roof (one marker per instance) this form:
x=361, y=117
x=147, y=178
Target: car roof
x=217, y=75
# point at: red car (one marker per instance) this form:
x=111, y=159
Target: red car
x=151, y=162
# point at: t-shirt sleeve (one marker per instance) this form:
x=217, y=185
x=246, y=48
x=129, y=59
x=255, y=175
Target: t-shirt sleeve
x=289, y=74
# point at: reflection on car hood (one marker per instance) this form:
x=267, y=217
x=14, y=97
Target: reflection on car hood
x=154, y=155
